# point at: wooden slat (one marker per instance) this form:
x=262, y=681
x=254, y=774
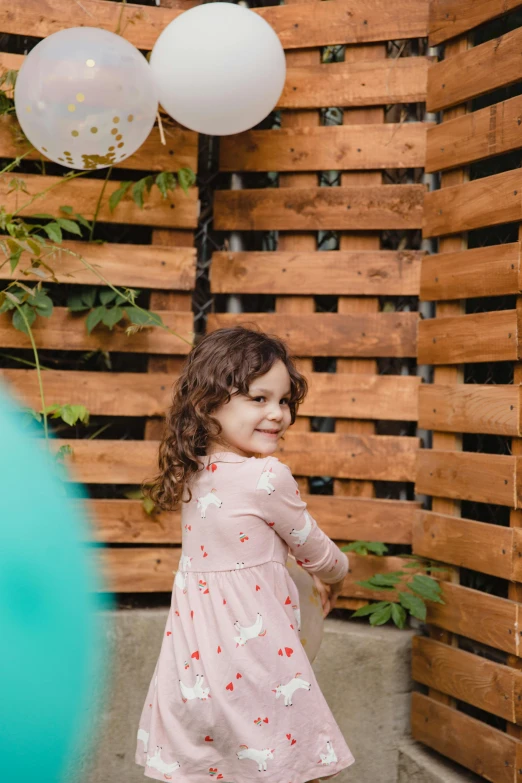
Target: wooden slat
x=486, y=478
x=386, y=397
x=449, y=18
x=470, y=407
x=491, y=753
x=488, y=685
x=339, y=147
x=126, y=521
x=181, y=148
x=306, y=209
x=66, y=332
x=140, y=266
x=478, y=615
x=483, y=202
x=472, y=73
x=481, y=337
x=364, y=83
x=476, y=136
x=480, y=272
x=464, y=542
x=177, y=210
x=378, y=457
x=338, y=272
x=298, y=27
x=137, y=569
x=332, y=334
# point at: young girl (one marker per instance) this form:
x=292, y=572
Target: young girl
x=233, y=695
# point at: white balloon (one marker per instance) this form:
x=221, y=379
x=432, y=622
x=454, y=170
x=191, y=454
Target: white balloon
x=85, y=98
x=219, y=68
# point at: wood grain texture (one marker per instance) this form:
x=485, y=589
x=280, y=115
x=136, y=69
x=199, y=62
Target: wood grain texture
x=483, y=547
x=140, y=266
x=67, y=332
x=176, y=211
x=472, y=73
x=486, y=478
x=305, y=26
x=379, y=457
x=449, y=18
x=364, y=83
x=483, y=271
x=307, y=209
x=136, y=569
x=477, y=615
x=470, y=407
x=488, y=685
x=489, y=752
x=338, y=272
x=483, y=202
x=480, y=337
x=476, y=136
x=126, y=522
x=339, y=147
x=332, y=334
x=181, y=148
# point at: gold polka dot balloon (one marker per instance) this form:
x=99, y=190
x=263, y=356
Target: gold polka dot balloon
x=81, y=89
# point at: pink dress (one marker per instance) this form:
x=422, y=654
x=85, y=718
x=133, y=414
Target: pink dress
x=233, y=696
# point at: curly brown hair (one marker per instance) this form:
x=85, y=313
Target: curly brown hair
x=224, y=359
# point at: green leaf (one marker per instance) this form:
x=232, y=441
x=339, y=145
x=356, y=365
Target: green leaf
x=414, y=605
x=76, y=304
x=14, y=299
x=118, y=194
x=53, y=231
x=70, y=226
x=148, y=505
x=84, y=222
x=426, y=587
x=89, y=295
x=369, y=609
x=18, y=321
x=134, y=494
x=381, y=616
x=14, y=258
x=166, y=181
x=363, y=547
x=186, y=179
x=139, y=188
x=107, y=296
x=111, y=316
x=71, y=414
x=62, y=451
x=94, y=318
x=68, y=210
x=143, y=317
x=43, y=304
x=399, y=615
x=43, y=216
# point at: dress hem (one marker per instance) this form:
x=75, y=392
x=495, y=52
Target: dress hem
x=315, y=775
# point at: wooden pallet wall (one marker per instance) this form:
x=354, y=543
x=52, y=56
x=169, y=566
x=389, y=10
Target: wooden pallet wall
x=459, y=273
x=139, y=556
x=357, y=273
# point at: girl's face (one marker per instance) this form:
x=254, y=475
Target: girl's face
x=254, y=423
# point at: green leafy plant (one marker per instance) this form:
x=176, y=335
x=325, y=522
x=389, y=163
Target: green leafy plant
x=109, y=308
x=165, y=181
x=146, y=502
x=419, y=589
x=26, y=303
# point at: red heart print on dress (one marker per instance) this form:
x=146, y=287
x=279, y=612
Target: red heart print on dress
x=230, y=686
x=238, y=676
x=212, y=467
x=195, y=655
x=224, y=601
x=192, y=613
x=169, y=633
x=219, y=649
x=293, y=742
x=208, y=739
x=257, y=588
x=271, y=524
x=205, y=554
x=291, y=626
x=288, y=600
x=288, y=736
x=288, y=651
x=176, y=612
x=219, y=776
x=280, y=652
x=265, y=720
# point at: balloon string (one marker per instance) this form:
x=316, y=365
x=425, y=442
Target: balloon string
x=160, y=126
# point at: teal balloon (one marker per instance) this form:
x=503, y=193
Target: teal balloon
x=51, y=643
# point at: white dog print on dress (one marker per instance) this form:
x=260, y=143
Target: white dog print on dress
x=180, y=580
x=196, y=691
x=248, y=632
x=156, y=762
x=287, y=690
x=144, y=737
x=210, y=499
x=302, y=534
x=265, y=481
x=259, y=756
x=329, y=757
x=297, y=615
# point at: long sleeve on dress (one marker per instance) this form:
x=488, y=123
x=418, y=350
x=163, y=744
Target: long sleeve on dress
x=286, y=512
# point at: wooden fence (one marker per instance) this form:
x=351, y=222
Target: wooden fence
x=470, y=662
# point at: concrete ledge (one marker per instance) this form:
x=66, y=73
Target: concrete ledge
x=419, y=764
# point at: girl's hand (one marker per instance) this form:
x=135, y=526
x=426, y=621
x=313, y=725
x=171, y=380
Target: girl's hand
x=329, y=593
